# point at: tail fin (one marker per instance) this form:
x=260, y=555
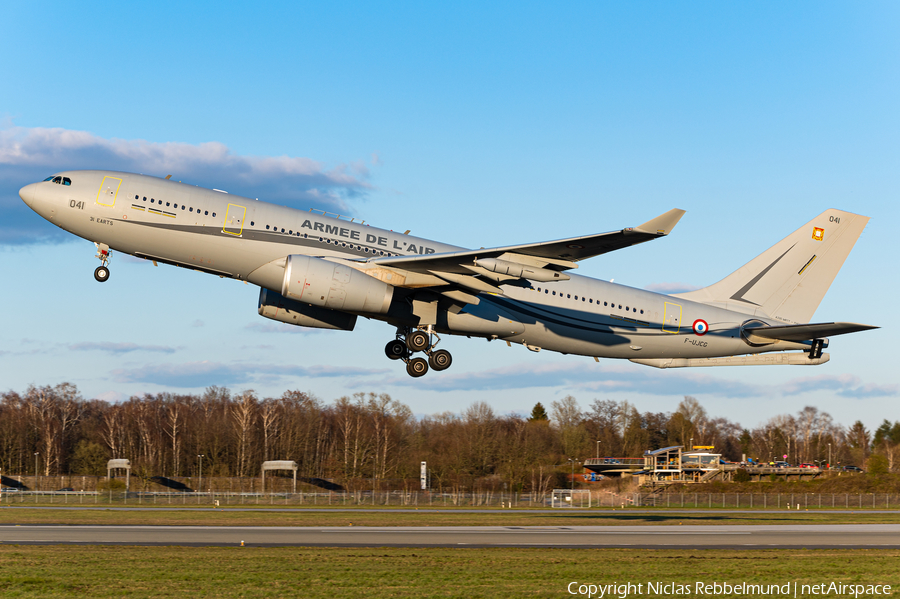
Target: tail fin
x=789, y=280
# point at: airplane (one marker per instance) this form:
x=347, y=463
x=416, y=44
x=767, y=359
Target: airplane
x=322, y=270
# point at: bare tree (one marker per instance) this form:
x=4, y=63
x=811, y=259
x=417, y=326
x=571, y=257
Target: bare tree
x=243, y=413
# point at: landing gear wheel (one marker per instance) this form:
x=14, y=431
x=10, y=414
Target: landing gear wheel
x=101, y=273
x=416, y=367
x=395, y=349
x=440, y=360
x=418, y=341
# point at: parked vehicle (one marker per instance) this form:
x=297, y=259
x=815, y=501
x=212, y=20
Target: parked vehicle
x=808, y=465
x=853, y=469
x=782, y=464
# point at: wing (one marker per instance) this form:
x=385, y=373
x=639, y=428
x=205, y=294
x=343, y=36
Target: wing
x=556, y=255
x=804, y=332
x=462, y=275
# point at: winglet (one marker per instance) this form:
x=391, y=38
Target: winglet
x=662, y=224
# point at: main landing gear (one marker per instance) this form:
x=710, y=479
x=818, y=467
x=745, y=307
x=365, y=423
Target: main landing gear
x=409, y=342
x=101, y=273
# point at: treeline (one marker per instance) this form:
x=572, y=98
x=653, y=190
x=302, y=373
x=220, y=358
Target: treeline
x=370, y=439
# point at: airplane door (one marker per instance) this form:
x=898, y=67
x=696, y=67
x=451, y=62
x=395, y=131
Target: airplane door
x=671, y=317
x=109, y=189
x=234, y=220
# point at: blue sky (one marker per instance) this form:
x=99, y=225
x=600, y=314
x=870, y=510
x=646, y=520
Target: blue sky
x=468, y=123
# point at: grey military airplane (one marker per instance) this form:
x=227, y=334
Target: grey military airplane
x=316, y=269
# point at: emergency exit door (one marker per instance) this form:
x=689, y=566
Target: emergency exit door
x=234, y=220
x=671, y=318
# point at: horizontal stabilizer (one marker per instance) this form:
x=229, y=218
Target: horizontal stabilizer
x=792, y=358
x=804, y=332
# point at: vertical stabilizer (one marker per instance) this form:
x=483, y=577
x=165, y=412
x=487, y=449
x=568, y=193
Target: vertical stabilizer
x=789, y=280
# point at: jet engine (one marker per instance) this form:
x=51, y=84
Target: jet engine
x=333, y=285
x=277, y=307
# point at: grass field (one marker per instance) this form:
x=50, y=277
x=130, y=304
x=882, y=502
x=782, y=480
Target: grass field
x=54, y=571
x=263, y=517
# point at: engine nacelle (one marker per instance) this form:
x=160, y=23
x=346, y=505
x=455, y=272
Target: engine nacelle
x=277, y=307
x=334, y=286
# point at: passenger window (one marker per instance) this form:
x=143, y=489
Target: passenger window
x=604, y=303
x=192, y=209
x=206, y=212
x=183, y=206
x=137, y=197
x=267, y=227
x=252, y=223
x=152, y=201
x=554, y=293
x=282, y=229
x=568, y=295
x=214, y=213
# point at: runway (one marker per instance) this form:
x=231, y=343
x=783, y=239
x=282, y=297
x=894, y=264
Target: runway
x=847, y=536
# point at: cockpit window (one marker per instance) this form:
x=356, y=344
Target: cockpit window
x=67, y=181
x=50, y=178
x=57, y=180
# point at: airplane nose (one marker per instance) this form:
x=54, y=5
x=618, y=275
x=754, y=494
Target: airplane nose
x=27, y=194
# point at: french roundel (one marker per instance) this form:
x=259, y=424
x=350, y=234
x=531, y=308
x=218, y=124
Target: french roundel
x=701, y=327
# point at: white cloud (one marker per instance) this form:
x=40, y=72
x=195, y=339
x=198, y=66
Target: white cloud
x=205, y=373
x=30, y=154
x=111, y=396
x=119, y=348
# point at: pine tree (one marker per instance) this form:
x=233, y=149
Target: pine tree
x=538, y=413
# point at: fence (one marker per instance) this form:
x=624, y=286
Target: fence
x=596, y=499
x=768, y=500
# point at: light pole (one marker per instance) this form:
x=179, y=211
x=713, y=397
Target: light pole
x=691, y=448
x=829, y=456
x=598, y=450
x=36, y=454
x=200, y=486
x=573, y=472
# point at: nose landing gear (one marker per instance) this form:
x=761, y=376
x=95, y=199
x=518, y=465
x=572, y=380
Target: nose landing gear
x=409, y=342
x=101, y=273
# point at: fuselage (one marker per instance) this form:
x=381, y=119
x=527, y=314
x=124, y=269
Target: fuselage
x=244, y=238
